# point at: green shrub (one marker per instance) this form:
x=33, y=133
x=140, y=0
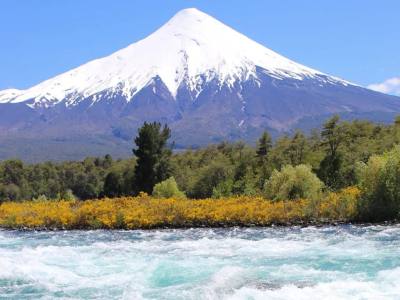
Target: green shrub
x=293, y=183
x=40, y=198
x=168, y=189
x=113, y=185
x=66, y=195
x=379, y=182
x=210, y=177
x=223, y=189
x=9, y=192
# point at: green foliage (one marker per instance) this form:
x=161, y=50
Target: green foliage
x=113, y=184
x=379, y=182
x=223, y=189
x=67, y=180
x=293, y=183
x=128, y=179
x=168, y=189
x=245, y=179
x=40, y=198
x=297, y=148
x=10, y=192
x=12, y=172
x=209, y=178
x=279, y=154
x=332, y=136
x=343, y=154
x=67, y=195
x=264, y=145
x=153, y=156
x=330, y=171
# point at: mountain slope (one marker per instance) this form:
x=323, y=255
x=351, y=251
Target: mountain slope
x=192, y=47
x=204, y=79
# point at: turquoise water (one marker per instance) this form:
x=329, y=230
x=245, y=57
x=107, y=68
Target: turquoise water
x=345, y=262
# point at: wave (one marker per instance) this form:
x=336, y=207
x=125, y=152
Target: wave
x=344, y=262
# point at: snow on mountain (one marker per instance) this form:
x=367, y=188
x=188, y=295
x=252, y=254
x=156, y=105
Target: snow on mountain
x=192, y=47
x=208, y=82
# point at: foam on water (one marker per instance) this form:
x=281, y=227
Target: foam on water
x=345, y=262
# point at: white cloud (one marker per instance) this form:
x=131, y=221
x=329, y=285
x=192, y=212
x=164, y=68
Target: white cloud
x=389, y=86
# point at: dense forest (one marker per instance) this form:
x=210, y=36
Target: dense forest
x=340, y=154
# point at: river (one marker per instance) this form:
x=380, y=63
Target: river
x=341, y=262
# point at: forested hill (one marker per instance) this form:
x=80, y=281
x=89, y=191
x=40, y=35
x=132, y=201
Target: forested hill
x=216, y=170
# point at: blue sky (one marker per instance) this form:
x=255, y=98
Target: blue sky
x=358, y=40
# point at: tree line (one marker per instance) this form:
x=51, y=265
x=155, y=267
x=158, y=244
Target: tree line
x=334, y=155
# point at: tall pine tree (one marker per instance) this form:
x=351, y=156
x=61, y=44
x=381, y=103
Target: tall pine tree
x=153, y=156
x=264, y=145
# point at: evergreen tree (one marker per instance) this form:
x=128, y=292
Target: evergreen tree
x=264, y=145
x=153, y=156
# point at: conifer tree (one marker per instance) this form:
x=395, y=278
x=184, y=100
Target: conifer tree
x=264, y=145
x=297, y=148
x=153, y=156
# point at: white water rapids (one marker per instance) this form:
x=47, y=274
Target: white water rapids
x=344, y=262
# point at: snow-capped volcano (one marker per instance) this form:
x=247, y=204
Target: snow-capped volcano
x=206, y=80
x=192, y=48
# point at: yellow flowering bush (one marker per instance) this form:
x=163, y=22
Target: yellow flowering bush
x=144, y=211
x=341, y=205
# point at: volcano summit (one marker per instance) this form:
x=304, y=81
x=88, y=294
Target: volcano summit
x=207, y=81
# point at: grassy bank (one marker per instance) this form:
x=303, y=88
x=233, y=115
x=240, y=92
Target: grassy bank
x=144, y=212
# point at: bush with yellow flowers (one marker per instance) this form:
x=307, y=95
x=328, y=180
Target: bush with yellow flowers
x=143, y=212
x=342, y=205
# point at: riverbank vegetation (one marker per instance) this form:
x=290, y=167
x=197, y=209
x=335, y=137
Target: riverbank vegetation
x=143, y=212
x=347, y=171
